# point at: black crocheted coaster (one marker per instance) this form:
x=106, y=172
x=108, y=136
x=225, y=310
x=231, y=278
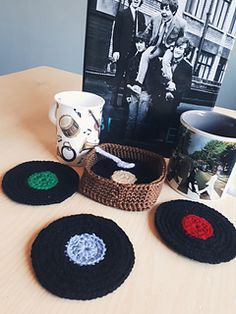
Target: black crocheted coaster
x=196, y=231
x=40, y=183
x=82, y=257
x=143, y=171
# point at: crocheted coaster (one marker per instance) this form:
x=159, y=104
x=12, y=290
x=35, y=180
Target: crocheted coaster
x=143, y=171
x=82, y=257
x=40, y=182
x=196, y=231
x=124, y=177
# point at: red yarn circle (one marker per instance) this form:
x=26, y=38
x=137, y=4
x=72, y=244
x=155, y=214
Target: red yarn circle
x=197, y=227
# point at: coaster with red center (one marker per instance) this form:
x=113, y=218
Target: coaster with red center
x=196, y=231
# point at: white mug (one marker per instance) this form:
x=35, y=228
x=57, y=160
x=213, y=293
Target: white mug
x=77, y=116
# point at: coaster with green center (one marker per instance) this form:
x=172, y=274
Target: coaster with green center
x=40, y=182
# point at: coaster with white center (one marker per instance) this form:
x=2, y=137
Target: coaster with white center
x=40, y=183
x=196, y=231
x=82, y=257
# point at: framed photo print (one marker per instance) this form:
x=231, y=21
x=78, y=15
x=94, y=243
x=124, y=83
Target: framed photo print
x=151, y=60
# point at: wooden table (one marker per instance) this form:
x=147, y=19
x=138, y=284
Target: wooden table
x=161, y=281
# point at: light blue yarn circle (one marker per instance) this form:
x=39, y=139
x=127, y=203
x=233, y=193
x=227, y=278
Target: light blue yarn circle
x=85, y=249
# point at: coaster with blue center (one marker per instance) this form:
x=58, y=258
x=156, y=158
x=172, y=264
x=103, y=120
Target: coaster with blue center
x=82, y=257
x=196, y=231
x=40, y=183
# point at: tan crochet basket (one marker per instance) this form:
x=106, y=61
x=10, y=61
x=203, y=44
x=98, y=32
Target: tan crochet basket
x=131, y=197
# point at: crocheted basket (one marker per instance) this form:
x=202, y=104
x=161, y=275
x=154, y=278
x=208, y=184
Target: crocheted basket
x=130, y=197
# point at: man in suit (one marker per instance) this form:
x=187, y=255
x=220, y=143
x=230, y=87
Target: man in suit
x=164, y=29
x=127, y=25
x=165, y=100
x=138, y=106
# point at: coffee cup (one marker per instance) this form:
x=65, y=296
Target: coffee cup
x=77, y=116
x=202, y=166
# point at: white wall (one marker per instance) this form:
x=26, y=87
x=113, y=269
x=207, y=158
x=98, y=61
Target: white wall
x=227, y=95
x=47, y=32
x=42, y=32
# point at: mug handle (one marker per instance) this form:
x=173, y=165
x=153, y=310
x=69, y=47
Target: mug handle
x=52, y=112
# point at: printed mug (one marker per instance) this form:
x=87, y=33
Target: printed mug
x=77, y=116
x=203, y=164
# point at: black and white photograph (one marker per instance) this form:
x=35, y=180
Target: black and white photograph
x=151, y=60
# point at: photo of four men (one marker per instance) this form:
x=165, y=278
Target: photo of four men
x=152, y=75
x=153, y=57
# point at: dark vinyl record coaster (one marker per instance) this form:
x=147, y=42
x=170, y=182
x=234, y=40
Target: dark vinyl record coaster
x=196, y=231
x=143, y=171
x=82, y=257
x=40, y=183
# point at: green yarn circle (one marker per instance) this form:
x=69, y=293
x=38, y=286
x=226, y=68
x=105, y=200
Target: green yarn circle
x=44, y=180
